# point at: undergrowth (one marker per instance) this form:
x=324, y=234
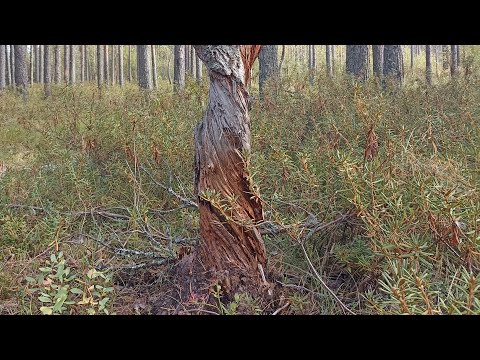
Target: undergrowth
x=105, y=177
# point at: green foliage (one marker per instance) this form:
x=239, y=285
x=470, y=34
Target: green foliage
x=59, y=289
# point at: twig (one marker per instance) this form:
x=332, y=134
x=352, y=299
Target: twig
x=144, y=265
x=187, y=202
x=323, y=282
x=280, y=309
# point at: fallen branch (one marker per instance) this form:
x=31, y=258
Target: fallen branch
x=187, y=202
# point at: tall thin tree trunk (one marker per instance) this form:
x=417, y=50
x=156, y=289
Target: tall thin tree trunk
x=179, y=67
x=144, y=67
x=453, y=61
x=446, y=56
x=12, y=64
x=113, y=74
x=40, y=60
x=100, y=67
x=428, y=67
x=82, y=63
x=129, y=63
x=105, y=64
x=120, y=65
x=87, y=64
x=333, y=59
x=412, y=55
x=231, y=245
x=66, y=62
x=328, y=60
x=393, y=63
x=8, y=77
x=46, y=70
x=30, y=64
x=3, y=66
x=268, y=66
x=193, y=63
x=57, y=77
x=154, y=66
x=72, y=65
x=198, y=68
x=187, y=59
x=377, y=60
x=21, y=70
x=357, y=61
x=458, y=56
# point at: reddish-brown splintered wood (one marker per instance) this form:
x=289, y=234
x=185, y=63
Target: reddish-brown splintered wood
x=249, y=53
x=231, y=245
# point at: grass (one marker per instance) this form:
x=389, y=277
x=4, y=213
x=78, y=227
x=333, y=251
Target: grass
x=82, y=169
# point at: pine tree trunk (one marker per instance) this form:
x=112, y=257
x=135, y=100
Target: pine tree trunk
x=82, y=63
x=198, y=68
x=453, y=61
x=411, y=56
x=357, y=61
x=328, y=60
x=377, y=60
x=179, y=67
x=187, y=59
x=100, y=76
x=428, y=67
x=57, y=77
x=144, y=68
x=66, y=62
x=87, y=64
x=40, y=60
x=193, y=63
x=113, y=74
x=393, y=63
x=268, y=66
x=129, y=63
x=446, y=57
x=333, y=59
x=21, y=70
x=46, y=71
x=12, y=64
x=30, y=64
x=105, y=65
x=154, y=66
x=458, y=56
x=3, y=65
x=8, y=75
x=120, y=65
x=72, y=65
x=231, y=245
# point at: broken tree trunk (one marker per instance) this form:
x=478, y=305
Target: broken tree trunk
x=231, y=245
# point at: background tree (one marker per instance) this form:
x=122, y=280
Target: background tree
x=198, y=68
x=57, y=77
x=231, y=246
x=454, y=60
x=154, y=66
x=72, y=65
x=357, y=61
x=46, y=71
x=179, y=67
x=129, y=63
x=328, y=60
x=2, y=67
x=144, y=68
x=120, y=65
x=66, y=63
x=428, y=65
x=268, y=65
x=8, y=75
x=393, y=63
x=21, y=69
x=446, y=57
x=12, y=64
x=377, y=51
x=100, y=76
x=105, y=65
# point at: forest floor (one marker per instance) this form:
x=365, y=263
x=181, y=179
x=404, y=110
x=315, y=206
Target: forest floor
x=371, y=199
